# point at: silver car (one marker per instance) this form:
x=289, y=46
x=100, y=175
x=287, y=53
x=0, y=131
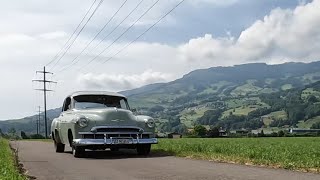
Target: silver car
x=99, y=120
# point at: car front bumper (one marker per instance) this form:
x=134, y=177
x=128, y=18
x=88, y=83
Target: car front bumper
x=113, y=141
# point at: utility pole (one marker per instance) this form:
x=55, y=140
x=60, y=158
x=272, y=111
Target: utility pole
x=38, y=120
x=44, y=81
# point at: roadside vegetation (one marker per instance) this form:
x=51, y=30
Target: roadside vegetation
x=8, y=167
x=289, y=153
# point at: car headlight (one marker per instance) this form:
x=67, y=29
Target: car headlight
x=150, y=123
x=82, y=122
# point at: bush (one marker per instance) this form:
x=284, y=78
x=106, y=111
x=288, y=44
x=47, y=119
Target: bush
x=200, y=130
x=36, y=136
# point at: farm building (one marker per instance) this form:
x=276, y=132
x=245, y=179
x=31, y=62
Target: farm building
x=174, y=135
x=223, y=133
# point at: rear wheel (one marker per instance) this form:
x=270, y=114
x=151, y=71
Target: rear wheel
x=144, y=149
x=78, y=152
x=59, y=147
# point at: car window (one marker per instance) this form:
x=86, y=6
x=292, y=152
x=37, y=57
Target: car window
x=67, y=104
x=99, y=101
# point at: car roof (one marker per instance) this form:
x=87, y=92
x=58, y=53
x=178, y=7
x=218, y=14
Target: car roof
x=79, y=93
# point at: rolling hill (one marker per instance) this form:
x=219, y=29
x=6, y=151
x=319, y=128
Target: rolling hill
x=224, y=96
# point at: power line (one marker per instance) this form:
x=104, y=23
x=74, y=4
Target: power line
x=64, y=53
x=144, y=32
x=127, y=45
x=73, y=62
x=56, y=56
x=121, y=34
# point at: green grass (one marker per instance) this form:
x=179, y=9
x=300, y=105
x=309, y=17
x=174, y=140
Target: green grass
x=188, y=119
x=276, y=115
x=308, y=92
x=308, y=123
x=245, y=90
x=289, y=153
x=8, y=168
x=243, y=106
x=42, y=140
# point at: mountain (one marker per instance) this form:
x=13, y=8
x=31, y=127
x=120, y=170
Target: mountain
x=246, y=79
x=223, y=96
x=233, y=95
x=28, y=124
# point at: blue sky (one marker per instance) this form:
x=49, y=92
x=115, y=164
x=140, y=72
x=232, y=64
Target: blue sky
x=198, y=34
x=216, y=20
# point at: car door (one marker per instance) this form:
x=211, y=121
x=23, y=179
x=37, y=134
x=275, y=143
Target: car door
x=64, y=120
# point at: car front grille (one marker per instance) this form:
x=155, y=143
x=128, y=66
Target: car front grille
x=133, y=130
x=101, y=132
x=101, y=136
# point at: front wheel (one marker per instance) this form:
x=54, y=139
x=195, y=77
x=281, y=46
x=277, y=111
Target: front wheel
x=78, y=152
x=144, y=149
x=59, y=147
x=114, y=149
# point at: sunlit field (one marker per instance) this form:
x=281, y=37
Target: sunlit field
x=289, y=153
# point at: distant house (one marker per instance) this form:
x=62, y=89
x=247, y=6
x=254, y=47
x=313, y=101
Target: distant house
x=223, y=133
x=297, y=131
x=242, y=131
x=174, y=135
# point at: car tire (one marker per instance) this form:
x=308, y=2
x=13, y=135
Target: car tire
x=144, y=149
x=78, y=152
x=59, y=147
x=114, y=149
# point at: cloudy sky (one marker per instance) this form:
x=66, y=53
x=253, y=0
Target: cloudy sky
x=197, y=34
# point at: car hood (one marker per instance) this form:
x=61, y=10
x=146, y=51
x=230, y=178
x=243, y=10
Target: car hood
x=108, y=117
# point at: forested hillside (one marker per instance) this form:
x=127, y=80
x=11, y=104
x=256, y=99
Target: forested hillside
x=247, y=96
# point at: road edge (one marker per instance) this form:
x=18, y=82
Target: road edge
x=17, y=163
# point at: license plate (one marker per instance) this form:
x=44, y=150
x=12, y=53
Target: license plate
x=121, y=141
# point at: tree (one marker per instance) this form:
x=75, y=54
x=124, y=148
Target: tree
x=312, y=99
x=12, y=131
x=23, y=135
x=1, y=133
x=200, y=130
x=156, y=108
x=213, y=132
x=261, y=134
x=316, y=125
x=36, y=136
x=280, y=133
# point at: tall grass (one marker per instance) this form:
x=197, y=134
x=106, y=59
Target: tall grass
x=289, y=153
x=8, y=168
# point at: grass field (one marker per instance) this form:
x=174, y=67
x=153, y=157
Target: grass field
x=289, y=153
x=188, y=119
x=8, y=169
x=308, y=123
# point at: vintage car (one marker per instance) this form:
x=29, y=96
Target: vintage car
x=101, y=120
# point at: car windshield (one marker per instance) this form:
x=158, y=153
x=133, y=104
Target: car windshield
x=99, y=101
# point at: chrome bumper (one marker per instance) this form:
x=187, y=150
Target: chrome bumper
x=110, y=141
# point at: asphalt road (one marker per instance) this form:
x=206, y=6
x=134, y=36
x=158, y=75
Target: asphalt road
x=40, y=161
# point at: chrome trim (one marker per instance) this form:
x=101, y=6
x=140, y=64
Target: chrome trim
x=93, y=129
x=105, y=141
x=83, y=133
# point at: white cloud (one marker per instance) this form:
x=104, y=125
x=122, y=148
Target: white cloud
x=116, y=82
x=53, y=35
x=32, y=32
x=284, y=35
